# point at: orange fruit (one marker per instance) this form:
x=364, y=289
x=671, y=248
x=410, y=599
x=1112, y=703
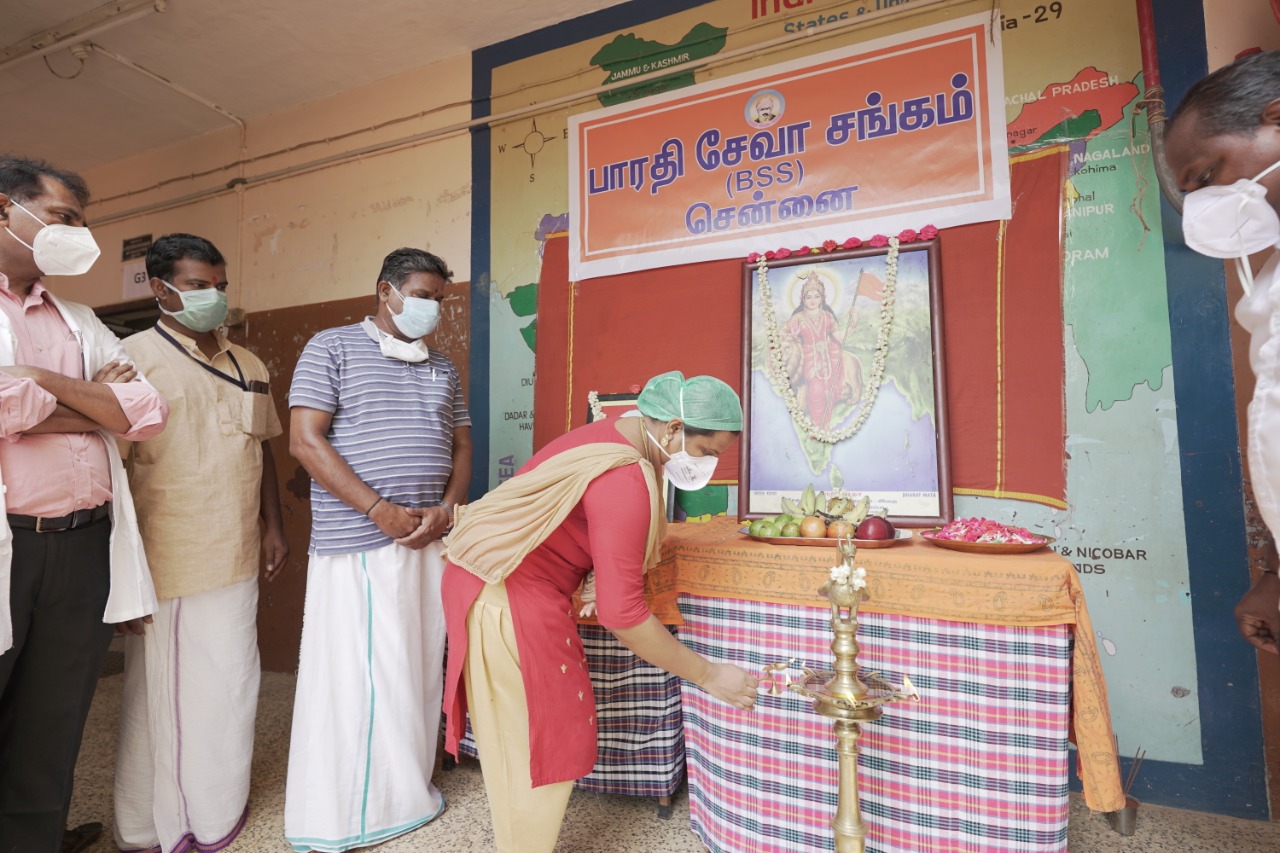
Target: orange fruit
x=813, y=527
x=839, y=529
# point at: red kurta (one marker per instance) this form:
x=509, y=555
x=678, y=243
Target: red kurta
x=606, y=531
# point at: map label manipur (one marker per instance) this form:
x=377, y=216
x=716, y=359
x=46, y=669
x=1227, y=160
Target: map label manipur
x=1085, y=204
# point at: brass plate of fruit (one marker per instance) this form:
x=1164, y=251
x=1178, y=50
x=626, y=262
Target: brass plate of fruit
x=822, y=541
x=984, y=547
x=819, y=541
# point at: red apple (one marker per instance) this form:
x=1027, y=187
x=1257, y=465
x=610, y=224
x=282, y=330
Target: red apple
x=875, y=527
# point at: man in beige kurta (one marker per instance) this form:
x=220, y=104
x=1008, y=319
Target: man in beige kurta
x=204, y=489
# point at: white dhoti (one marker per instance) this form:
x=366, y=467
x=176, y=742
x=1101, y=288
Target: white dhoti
x=366, y=717
x=186, y=723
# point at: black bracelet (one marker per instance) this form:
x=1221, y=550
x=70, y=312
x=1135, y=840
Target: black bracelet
x=372, y=508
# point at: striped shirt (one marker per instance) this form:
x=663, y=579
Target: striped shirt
x=393, y=423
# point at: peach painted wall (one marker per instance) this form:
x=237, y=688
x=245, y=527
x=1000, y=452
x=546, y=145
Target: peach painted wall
x=310, y=237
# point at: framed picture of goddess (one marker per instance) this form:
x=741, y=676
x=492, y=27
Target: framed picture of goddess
x=844, y=386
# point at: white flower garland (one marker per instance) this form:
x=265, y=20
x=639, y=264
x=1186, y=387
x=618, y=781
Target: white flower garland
x=776, y=368
x=597, y=411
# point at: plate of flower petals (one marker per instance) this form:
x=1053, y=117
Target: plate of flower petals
x=984, y=536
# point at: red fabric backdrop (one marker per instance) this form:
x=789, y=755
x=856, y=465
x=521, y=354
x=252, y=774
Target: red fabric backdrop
x=1002, y=315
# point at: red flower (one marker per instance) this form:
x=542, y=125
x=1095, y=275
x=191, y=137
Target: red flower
x=768, y=256
x=908, y=235
x=878, y=241
x=928, y=232
x=852, y=243
x=830, y=245
x=635, y=389
x=783, y=253
x=753, y=257
x=803, y=250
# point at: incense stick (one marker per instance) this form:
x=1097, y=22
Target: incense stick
x=1138, y=758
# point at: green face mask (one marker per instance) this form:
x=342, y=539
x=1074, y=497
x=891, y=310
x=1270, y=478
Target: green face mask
x=202, y=310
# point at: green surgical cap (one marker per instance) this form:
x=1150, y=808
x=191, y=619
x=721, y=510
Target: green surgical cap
x=703, y=402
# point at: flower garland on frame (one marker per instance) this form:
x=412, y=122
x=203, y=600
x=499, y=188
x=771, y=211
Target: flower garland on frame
x=776, y=363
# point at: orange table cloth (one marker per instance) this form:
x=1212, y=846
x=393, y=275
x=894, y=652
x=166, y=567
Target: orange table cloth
x=914, y=579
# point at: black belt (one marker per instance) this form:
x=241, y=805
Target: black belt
x=79, y=518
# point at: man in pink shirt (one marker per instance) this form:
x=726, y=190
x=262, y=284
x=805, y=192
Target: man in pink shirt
x=71, y=560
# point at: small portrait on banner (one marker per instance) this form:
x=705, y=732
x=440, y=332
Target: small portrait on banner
x=765, y=108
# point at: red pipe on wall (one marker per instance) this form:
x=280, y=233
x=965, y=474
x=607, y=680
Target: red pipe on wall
x=1147, y=38
x=1153, y=100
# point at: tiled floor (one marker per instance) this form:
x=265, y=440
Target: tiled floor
x=594, y=824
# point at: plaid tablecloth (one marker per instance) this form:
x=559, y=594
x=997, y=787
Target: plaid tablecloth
x=979, y=765
x=641, y=731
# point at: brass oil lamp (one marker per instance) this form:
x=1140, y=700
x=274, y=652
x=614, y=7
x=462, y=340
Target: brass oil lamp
x=846, y=696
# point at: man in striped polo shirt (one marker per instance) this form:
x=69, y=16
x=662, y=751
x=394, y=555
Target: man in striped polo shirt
x=379, y=421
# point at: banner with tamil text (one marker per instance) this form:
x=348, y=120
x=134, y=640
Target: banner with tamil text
x=873, y=138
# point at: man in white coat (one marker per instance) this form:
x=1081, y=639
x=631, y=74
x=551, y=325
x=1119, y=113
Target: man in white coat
x=71, y=559
x=1223, y=146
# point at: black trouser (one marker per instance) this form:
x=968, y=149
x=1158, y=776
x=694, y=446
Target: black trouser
x=58, y=592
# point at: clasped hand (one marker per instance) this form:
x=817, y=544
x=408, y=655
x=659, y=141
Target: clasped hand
x=412, y=528
x=1258, y=614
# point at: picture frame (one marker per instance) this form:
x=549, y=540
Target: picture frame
x=890, y=445
x=609, y=406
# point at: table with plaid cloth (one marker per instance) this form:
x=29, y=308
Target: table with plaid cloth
x=640, y=736
x=1001, y=650
x=979, y=764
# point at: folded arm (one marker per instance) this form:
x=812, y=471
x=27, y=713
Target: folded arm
x=23, y=404
x=64, y=420
x=130, y=409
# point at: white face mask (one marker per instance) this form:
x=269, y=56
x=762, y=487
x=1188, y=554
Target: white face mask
x=1232, y=222
x=418, y=316
x=392, y=347
x=410, y=351
x=60, y=249
x=688, y=473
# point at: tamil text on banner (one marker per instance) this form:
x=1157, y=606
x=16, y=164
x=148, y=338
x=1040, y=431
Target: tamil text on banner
x=877, y=137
